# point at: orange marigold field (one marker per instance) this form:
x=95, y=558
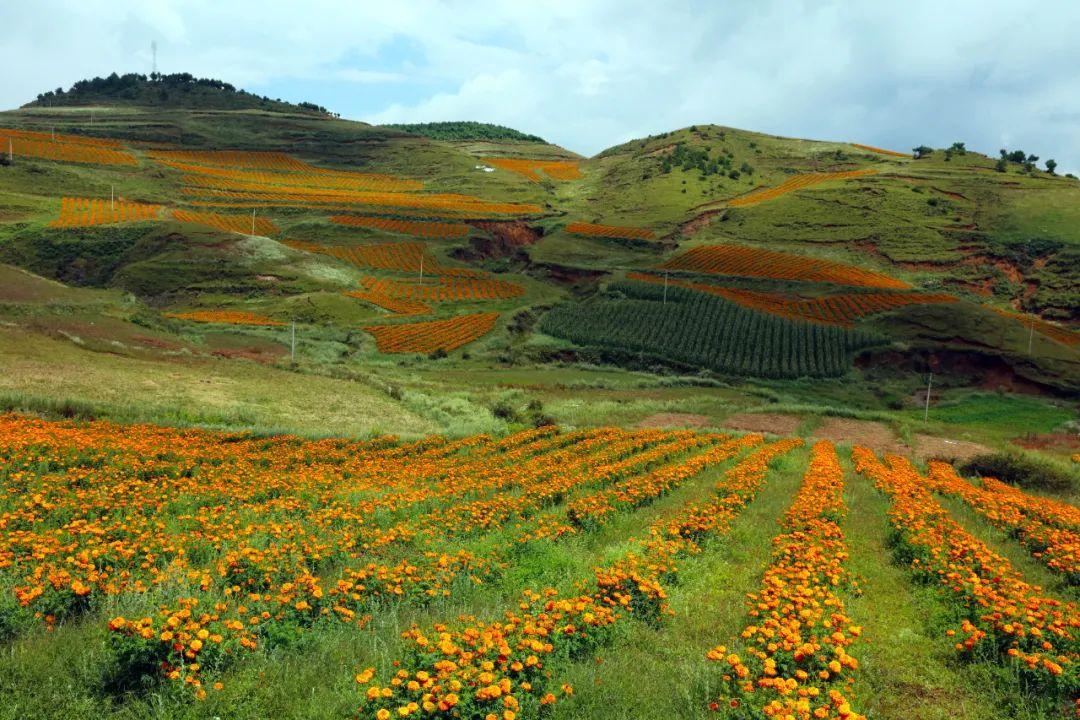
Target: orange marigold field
x=260, y=160
x=419, y=228
x=243, y=224
x=796, y=182
x=881, y=151
x=841, y=309
x=744, y=261
x=84, y=212
x=1057, y=333
x=447, y=289
x=318, y=199
x=65, y=148
x=610, y=231
x=228, y=317
x=95, y=510
x=273, y=171
x=397, y=306
x=427, y=337
x=235, y=178
x=529, y=168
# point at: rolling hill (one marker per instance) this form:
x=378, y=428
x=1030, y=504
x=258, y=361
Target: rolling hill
x=210, y=227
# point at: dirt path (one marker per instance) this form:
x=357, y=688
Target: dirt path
x=877, y=436
x=930, y=446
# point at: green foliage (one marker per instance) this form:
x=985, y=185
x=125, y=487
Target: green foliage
x=1021, y=470
x=465, y=131
x=694, y=328
x=688, y=158
x=1051, y=165
x=922, y=151
x=77, y=256
x=174, y=90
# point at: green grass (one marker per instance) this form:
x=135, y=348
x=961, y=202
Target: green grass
x=1000, y=413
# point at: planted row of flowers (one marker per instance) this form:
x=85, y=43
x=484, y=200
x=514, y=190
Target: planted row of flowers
x=1003, y=617
x=794, y=661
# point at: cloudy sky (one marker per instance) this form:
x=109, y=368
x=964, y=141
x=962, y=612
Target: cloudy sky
x=588, y=75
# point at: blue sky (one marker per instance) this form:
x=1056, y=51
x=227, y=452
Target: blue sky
x=588, y=75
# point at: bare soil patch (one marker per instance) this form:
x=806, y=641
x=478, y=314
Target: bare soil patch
x=682, y=420
x=775, y=423
x=868, y=433
x=930, y=446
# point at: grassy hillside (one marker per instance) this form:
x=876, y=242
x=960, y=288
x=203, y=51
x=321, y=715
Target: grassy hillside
x=425, y=227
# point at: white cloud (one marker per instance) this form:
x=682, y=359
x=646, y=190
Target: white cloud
x=590, y=74
x=354, y=75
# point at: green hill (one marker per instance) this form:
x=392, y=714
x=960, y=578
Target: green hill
x=812, y=273
x=466, y=130
x=172, y=91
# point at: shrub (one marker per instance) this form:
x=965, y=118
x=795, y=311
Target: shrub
x=1020, y=470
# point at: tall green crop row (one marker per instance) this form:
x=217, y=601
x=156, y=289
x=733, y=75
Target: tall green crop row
x=694, y=328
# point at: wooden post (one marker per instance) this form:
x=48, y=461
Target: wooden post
x=665, y=287
x=926, y=410
x=1031, y=334
x=421, y=266
x=293, y=342
x=10, y=151
x=252, y=221
x=112, y=197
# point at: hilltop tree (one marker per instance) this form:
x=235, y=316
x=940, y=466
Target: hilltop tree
x=1051, y=165
x=958, y=148
x=922, y=151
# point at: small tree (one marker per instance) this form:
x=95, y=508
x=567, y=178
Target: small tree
x=1002, y=165
x=1029, y=163
x=922, y=151
x=1051, y=165
x=958, y=148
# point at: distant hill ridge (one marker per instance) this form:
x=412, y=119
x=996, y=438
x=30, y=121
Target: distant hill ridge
x=174, y=90
x=465, y=130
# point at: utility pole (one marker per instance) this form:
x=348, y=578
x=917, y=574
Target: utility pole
x=665, y=287
x=421, y=266
x=10, y=151
x=252, y=221
x=1031, y=334
x=926, y=409
x=293, y=342
x=153, y=52
x=112, y=197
